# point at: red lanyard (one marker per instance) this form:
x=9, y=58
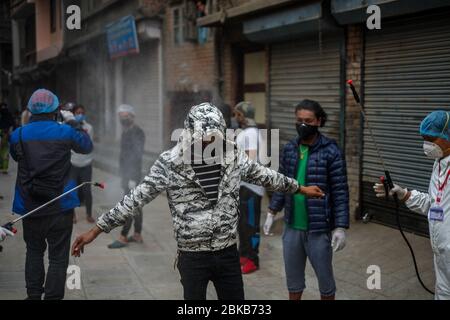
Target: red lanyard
x=441, y=188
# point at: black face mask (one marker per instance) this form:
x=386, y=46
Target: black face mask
x=306, y=131
x=126, y=122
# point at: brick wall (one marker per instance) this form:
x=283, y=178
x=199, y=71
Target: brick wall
x=188, y=66
x=354, y=56
x=230, y=76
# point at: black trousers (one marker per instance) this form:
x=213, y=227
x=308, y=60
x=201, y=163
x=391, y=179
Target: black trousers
x=54, y=231
x=137, y=222
x=249, y=224
x=221, y=267
x=80, y=175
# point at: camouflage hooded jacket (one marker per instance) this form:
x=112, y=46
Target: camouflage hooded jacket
x=198, y=225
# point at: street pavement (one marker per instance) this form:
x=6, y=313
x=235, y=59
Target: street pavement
x=146, y=271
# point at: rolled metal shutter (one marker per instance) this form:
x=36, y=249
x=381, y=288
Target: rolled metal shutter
x=305, y=69
x=407, y=76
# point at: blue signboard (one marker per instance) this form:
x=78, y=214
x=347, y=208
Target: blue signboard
x=122, y=37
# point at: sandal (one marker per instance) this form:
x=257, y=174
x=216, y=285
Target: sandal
x=133, y=239
x=117, y=245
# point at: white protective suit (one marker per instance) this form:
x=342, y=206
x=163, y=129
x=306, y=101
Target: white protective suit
x=439, y=230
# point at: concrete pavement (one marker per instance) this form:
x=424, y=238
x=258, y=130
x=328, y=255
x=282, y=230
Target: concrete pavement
x=146, y=271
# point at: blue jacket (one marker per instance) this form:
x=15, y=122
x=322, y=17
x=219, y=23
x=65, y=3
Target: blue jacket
x=48, y=146
x=327, y=170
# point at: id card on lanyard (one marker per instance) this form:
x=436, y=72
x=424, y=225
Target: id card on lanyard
x=437, y=212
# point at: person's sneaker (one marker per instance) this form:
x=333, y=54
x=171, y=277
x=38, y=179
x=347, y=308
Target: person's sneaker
x=243, y=260
x=249, y=267
x=90, y=219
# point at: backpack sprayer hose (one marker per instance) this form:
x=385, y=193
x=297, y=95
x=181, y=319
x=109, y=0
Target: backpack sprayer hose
x=388, y=183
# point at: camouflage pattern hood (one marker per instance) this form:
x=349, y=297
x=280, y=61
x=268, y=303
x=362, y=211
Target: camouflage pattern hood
x=198, y=224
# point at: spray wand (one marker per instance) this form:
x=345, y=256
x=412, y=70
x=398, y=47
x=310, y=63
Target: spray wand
x=387, y=182
x=10, y=225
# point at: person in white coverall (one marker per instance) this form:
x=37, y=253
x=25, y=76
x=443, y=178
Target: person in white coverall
x=436, y=203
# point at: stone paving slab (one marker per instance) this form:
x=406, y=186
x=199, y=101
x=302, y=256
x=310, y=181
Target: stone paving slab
x=146, y=271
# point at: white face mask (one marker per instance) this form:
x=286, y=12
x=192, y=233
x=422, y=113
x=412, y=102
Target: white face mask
x=432, y=150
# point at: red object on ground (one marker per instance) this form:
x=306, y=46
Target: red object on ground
x=249, y=267
x=243, y=260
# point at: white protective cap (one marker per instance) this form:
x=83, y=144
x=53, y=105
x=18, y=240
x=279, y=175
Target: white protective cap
x=126, y=108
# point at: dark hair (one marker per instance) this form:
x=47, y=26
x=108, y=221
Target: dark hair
x=315, y=107
x=78, y=106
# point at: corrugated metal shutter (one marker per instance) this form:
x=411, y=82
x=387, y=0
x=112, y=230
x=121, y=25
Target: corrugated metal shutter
x=407, y=75
x=305, y=69
x=141, y=90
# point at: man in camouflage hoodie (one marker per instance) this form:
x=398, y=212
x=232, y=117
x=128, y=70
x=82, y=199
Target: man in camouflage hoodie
x=205, y=215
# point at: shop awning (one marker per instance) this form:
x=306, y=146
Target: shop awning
x=289, y=23
x=251, y=8
x=354, y=11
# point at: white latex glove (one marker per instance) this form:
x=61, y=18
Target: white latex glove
x=381, y=193
x=4, y=233
x=67, y=116
x=268, y=224
x=338, y=239
x=131, y=184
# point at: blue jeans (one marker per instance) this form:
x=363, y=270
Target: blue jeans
x=298, y=246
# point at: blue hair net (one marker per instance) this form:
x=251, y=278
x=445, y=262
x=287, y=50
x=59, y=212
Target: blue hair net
x=436, y=124
x=43, y=101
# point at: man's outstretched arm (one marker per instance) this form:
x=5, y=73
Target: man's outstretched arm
x=253, y=172
x=152, y=185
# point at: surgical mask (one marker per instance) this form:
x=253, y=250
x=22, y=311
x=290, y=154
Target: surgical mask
x=80, y=117
x=432, y=150
x=306, y=131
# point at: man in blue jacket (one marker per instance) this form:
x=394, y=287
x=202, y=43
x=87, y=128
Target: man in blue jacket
x=314, y=227
x=42, y=149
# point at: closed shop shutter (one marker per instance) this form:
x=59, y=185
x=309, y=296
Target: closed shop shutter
x=407, y=76
x=142, y=91
x=306, y=69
